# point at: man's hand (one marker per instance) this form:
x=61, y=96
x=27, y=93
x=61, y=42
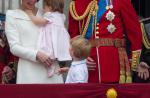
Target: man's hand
x=8, y=74
x=142, y=70
x=91, y=63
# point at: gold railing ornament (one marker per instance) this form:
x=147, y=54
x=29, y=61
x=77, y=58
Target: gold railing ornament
x=111, y=93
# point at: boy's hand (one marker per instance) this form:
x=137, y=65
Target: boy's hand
x=62, y=70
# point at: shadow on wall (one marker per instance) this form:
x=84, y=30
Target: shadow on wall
x=13, y=4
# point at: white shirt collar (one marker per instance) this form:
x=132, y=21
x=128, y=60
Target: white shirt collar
x=74, y=63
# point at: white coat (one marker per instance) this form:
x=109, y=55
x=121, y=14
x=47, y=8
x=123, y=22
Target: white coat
x=22, y=36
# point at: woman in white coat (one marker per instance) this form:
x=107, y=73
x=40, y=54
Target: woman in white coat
x=22, y=36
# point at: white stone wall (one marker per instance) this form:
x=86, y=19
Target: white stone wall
x=13, y=4
x=66, y=10
x=8, y=4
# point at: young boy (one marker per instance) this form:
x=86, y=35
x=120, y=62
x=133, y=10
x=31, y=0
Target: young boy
x=79, y=51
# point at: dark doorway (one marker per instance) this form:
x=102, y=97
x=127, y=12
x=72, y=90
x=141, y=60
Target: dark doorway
x=142, y=7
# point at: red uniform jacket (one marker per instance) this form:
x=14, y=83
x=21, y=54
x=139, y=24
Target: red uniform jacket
x=126, y=23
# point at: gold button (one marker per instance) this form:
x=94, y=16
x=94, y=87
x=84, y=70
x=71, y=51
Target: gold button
x=97, y=28
x=135, y=56
x=97, y=37
x=97, y=32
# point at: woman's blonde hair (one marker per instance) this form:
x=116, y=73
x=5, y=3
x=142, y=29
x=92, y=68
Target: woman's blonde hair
x=56, y=5
x=81, y=47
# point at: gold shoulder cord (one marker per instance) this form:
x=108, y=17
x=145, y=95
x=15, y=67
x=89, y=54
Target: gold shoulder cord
x=144, y=36
x=90, y=11
x=74, y=13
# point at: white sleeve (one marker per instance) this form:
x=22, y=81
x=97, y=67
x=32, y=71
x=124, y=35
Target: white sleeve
x=48, y=16
x=13, y=38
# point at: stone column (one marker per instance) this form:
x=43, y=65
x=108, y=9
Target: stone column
x=66, y=10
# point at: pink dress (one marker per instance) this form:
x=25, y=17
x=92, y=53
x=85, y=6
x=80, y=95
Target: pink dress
x=54, y=39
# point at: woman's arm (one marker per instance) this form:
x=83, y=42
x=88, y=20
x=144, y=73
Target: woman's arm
x=13, y=37
x=16, y=48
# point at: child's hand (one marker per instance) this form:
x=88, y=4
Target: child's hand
x=62, y=70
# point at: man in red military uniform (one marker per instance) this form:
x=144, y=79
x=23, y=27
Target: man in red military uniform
x=106, y=23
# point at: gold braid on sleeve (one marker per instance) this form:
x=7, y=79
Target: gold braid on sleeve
x=135, y=59
x=144, y=37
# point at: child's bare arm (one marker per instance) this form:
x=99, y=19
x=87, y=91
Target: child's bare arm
x=63, y=70
x=36, y=20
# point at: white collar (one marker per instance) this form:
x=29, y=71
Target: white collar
x=74, y=63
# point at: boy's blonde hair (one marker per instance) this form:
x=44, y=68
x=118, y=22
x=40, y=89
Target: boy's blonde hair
x=56, y=5
x=81, y=47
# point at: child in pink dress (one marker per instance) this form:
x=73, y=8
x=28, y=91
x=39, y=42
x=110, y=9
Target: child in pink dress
x=53, y=38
